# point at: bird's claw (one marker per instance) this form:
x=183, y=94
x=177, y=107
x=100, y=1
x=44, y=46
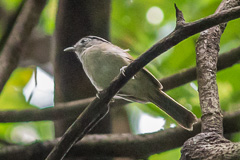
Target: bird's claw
x=122, y=70
x=98, y=95
x=112, y=100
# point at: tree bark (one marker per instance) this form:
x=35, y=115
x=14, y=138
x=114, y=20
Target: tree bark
x=119, y=145
x=210, y=144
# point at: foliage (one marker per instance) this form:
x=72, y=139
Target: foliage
x=12, y=98
x=131, y=29
x=172, y=154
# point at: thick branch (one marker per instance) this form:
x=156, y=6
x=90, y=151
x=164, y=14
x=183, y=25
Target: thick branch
x=210, y=144
x=11, y=53
x=78, y=129
x=119, y=145
x=206, y=57
x=207, y=51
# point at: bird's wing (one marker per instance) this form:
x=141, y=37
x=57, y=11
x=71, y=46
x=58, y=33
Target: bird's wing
x=129, y=98
x=153, y=79
x=126, y=55
x=129, y=58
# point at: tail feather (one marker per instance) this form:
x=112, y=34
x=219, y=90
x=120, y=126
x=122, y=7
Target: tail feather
x=184, y=117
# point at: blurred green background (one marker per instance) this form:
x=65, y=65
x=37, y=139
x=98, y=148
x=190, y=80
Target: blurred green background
x=135, y=25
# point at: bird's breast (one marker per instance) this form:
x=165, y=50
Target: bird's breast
x=102, y=67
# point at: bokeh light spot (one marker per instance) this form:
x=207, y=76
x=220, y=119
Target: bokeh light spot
x=154, y=15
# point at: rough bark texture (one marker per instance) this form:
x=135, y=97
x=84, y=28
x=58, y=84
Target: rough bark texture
x=76, y=19
x=207, y=51
x=210, y=144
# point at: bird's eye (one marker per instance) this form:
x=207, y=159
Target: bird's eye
x=84, y=40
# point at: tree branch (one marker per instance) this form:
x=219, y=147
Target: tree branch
x=210, y=144
x=10, y=24
x=74, y=108
x=225, y=60
x=25, y=22
x=206, y=54
x=59, y=111
x=98, y=107
x=119, y=145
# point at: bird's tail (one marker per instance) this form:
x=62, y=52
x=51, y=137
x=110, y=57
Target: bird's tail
x=184, y=117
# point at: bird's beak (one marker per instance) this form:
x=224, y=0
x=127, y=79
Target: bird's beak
x=69, y=49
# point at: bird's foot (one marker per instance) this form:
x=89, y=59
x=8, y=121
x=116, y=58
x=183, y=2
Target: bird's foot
x=122, y=70
x=112, y=100
x=98, y=94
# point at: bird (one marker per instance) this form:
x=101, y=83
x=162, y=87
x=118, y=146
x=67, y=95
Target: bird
x=102, y=61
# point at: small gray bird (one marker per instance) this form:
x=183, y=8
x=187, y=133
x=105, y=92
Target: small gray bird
x=102, y=61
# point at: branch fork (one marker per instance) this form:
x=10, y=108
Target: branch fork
x=210, y=144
